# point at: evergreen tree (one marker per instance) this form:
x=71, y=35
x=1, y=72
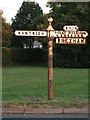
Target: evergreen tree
x=29, y=16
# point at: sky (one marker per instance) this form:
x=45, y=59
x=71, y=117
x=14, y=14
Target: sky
x=10, y=7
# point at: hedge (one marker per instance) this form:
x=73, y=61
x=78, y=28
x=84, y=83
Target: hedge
x=37, y=56
x=6, y=56
x=11, y=56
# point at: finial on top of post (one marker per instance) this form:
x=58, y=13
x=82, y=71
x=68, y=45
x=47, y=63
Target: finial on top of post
x=50, y=19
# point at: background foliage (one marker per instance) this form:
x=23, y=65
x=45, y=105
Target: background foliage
x=30, y=17
x=20, y=56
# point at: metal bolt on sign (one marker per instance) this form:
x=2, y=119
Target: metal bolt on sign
x=69, y=35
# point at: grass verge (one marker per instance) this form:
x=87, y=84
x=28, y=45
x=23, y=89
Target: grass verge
x=27, y=85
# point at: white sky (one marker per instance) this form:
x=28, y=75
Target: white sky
x=10, y=7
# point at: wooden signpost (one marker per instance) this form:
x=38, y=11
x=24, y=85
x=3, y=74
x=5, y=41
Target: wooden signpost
x=69, y=35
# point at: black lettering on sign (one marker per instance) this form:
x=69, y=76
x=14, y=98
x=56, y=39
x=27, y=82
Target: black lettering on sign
x=38, y=33
x=33, y=33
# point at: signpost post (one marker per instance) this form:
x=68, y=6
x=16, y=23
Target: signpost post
x=50, y=58
x=69, y=35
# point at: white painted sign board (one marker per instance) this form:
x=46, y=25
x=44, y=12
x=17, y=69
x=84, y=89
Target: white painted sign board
x=70, y=35
x=30, y=33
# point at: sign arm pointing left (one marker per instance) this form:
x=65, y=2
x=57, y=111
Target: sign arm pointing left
x=30, y=33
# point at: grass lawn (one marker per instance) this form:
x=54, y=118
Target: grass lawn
x=28, y=85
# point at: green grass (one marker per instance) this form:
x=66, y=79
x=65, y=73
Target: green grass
x=28, y=85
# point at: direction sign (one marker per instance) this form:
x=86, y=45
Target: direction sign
x=70, y=28
x=70, y=40
x=70, y=34
x=30, y=33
